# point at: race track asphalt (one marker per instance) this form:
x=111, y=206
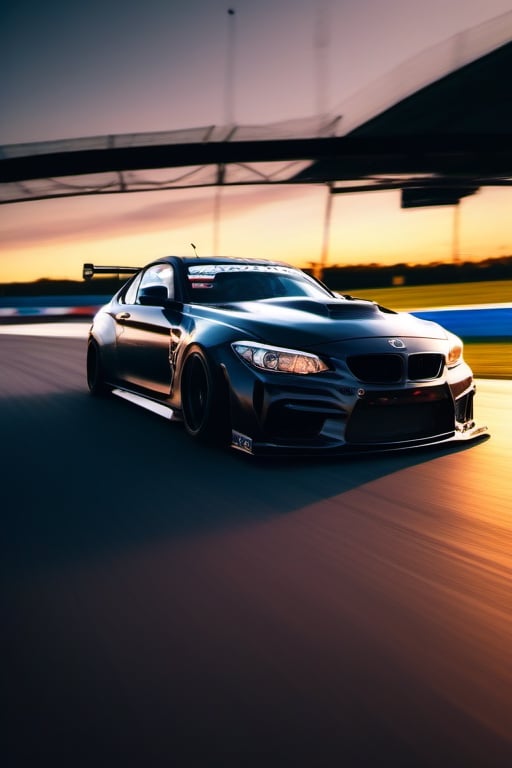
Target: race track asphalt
x=167, y=604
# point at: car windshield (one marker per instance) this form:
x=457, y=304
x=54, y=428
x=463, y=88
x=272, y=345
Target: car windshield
x=226, y=283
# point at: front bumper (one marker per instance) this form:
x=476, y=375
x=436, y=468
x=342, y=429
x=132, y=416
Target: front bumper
x=335, y=413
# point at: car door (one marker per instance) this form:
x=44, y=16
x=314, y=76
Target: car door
x=143, y=332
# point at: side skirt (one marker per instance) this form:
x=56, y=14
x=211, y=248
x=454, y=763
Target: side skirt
x=144, y=402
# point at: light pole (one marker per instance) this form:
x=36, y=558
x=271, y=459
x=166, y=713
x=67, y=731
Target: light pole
x=456, y=234
x=229, y=116
x=229, y=113
x=321, y=42
x=326, y=234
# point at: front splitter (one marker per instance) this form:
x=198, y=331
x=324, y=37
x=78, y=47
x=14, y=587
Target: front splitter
x=246, y=444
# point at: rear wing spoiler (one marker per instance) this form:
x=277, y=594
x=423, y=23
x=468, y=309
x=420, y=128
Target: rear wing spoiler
x=90, y=270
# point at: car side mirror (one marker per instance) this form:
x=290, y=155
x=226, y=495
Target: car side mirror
x=153, y=295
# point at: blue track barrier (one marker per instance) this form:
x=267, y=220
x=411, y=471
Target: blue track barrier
x=467, y=322
x=473, y=322
x=50, y=306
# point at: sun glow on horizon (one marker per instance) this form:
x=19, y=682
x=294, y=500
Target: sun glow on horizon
x=52, y=239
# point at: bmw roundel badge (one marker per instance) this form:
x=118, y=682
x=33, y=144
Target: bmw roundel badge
x=396, y=343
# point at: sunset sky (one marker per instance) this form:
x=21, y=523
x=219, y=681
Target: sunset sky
x=74, y=70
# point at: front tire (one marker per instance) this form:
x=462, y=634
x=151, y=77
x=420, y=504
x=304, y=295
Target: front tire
x=204, y=400
x=95, y=371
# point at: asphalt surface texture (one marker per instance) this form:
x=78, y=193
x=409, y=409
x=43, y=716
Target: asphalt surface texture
x=169, y=604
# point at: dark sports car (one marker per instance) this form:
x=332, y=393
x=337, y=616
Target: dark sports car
x=261, y=356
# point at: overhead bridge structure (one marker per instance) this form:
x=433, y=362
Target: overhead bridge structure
x=438, y=128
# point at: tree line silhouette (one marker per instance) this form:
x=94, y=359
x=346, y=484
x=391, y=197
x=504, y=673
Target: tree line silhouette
x=337, y=277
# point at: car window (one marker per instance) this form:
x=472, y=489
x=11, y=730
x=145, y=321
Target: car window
x=217, y=285
x=131, y=292
x=297, y=286
x=158, y=274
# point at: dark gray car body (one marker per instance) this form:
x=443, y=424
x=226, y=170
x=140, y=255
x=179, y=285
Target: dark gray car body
x=386, y=383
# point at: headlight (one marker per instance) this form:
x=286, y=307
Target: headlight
x=454, y=356
x=277, y=359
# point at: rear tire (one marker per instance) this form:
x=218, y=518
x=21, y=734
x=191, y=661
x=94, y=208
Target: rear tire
x=95, y=371
x=204, y=400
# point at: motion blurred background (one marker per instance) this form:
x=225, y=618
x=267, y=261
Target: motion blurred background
x=74, y=71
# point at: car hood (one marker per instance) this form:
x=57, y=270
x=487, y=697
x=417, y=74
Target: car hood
x=305, y=323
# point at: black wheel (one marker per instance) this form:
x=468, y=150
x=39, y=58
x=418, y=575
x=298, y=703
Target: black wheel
x=95, y=374
x=204, y=400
